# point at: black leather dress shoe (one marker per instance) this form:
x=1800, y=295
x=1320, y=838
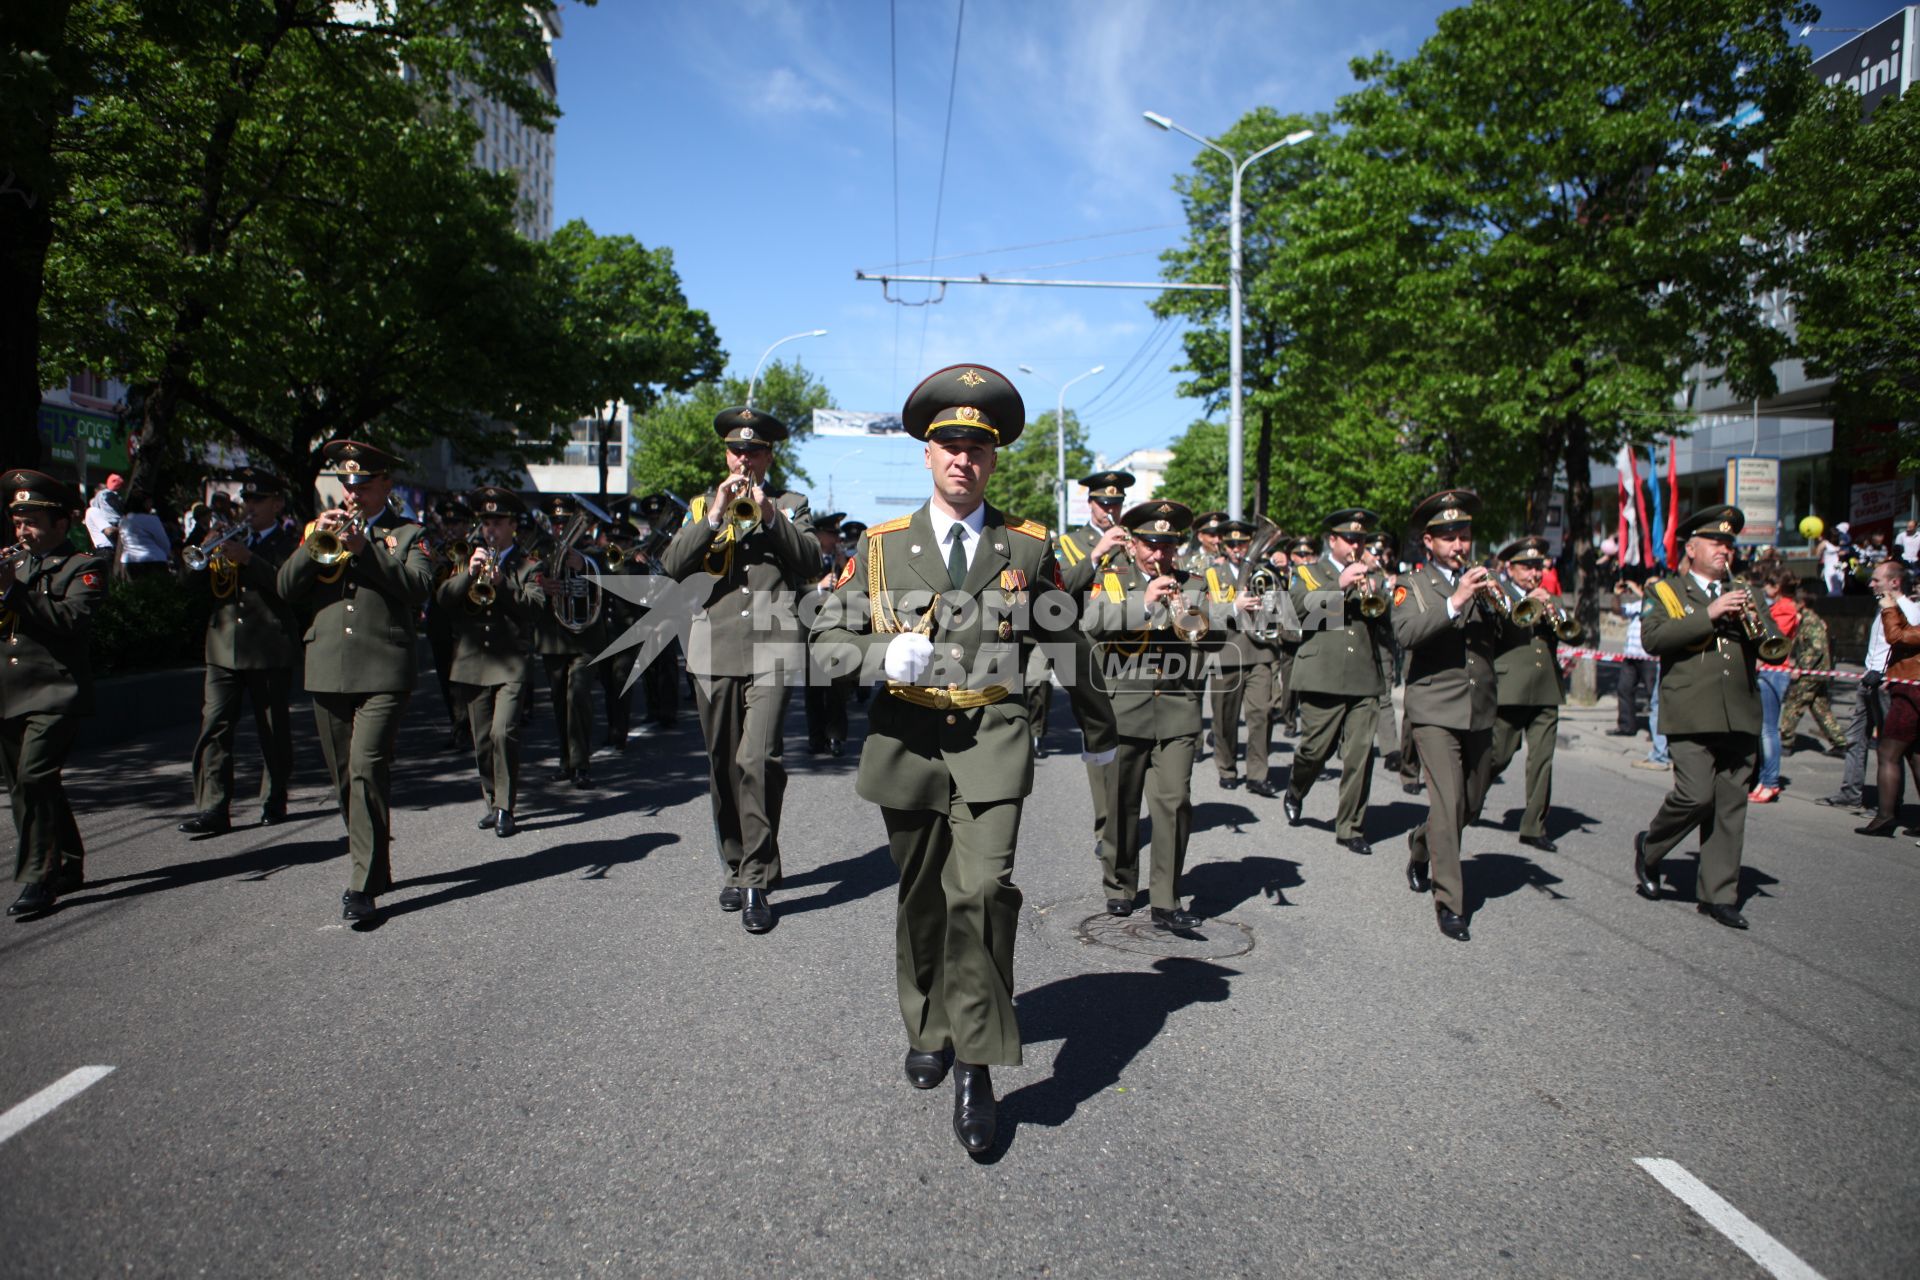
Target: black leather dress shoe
x=1358, y=844
x=1175, y=920
x=975, y=1113
x=561, y=775
x=33, y=899
x=504, y=824
x=1541, y=843
x=1261, y=787
x=1878, y=827
x=273, y=816
x=1292, y=809
x=1039, y=749
x=1417, y=878
x=207, y=824
x=730, y=898
x=1646, y=879
x=927, y=1067
x=357, y=906
x=1229, y=783
x=582, y=779
x=756, y=913
x=1119, y=907
x=836, y=748
x=1453, y=926
x=1413, y=788
x=1393, y=762
x=488, y=819
x=1723, y=913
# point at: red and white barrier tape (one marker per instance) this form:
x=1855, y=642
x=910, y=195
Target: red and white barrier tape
x=1569, y=653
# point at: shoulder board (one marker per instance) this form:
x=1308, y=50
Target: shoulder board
x=1306, y=575
x=892, y=526
x=698, y=511
x=1669, y=599
x=1030, y=528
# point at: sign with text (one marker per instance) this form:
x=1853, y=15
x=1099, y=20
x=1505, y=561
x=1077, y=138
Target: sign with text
x=850, y=422
x=61, y=427
x=1753, y=485
x=1872, y=64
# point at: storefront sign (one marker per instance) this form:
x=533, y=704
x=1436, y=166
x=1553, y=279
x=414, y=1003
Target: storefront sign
x=1753, y=485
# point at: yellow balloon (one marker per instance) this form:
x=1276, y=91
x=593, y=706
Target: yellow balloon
x=1812, y=527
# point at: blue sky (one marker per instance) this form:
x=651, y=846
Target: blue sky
x=756, y=139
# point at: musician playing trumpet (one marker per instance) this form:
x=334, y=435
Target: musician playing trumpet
x=495, y=601
x=752, y=546
x=1527, y=671
x=251, y=634
x=360, y=651
x=568, y=653
x=1084, y=554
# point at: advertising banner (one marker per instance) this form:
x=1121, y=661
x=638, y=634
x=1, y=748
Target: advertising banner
x=1753, y=485
x=61, y=427
x=850, y=422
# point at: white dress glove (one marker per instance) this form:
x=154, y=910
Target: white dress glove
x=1097, y=757
x=908, y=657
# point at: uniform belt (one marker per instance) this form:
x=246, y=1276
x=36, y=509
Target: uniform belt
x=951, y=696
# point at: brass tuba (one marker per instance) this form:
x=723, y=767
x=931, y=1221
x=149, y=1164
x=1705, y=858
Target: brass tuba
x=578, y=603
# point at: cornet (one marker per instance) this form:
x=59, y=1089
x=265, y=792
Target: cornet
x=328, y=546
x=198, y=558
x=482, y=593
x=1759, y=628
x=1188, y=621
x=1367, y=593
x=743, y=513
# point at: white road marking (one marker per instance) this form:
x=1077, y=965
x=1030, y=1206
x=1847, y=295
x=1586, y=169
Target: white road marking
x=1729, y=1221
x=66, y=1088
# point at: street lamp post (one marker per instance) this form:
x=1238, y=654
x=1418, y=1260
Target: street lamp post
x=1236, y=435
x=755, y=380
x=1060, y=439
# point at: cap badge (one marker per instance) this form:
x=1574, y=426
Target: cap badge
x=746, y=433
x=23, y=495
x=967, y=413
x=1726, y=526
x=1163, y=526
x=1449, y=514
x=971, y=378
x=350, y=466
x=746, y=413
x=1165, y=510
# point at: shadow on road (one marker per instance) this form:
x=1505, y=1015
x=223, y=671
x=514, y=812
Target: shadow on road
x=592, y=856
x=248, y=864
x=1680, y=877
x=851, y=879
x=1219, y=887
x=1495, y=875
x=1103, y=1021
x=1560, y=821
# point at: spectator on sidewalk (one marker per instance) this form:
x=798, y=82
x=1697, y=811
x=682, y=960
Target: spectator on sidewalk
x=1812, y=651
x=1637, y=669
x=1907, y=543
x=104, y=514
x=145, y=547
x=1827, y=549
x=1773, y=693
x=1870, y=707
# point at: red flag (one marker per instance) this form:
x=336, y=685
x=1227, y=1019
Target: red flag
x=1673, y=496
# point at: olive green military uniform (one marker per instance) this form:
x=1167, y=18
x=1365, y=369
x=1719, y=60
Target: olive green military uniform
x=1527, y=673
x=1710, y=714
x=745, y=650
x=440, y=622
x=1452, y=702
x=947, y=756
x=46, y=685
x=1078, y=572
x=826, y=698
x=1156, y=682
x=250, y=652
x=492, y=666
x=1336, y=677
x=1229, y=680
x=568, y=658
x=361, y=670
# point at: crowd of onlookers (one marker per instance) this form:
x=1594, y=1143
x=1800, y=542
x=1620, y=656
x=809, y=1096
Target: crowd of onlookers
x=140, y=536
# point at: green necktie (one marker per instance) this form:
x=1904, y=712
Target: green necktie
x=957, y=557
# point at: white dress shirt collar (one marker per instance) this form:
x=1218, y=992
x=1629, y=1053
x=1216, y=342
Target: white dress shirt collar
x=975, y=525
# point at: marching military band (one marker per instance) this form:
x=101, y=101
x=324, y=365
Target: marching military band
x=951, y=619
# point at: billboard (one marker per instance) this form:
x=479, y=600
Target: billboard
x=850, y=422
x=1753, y=485
x=1875, y=64
x=60, y=426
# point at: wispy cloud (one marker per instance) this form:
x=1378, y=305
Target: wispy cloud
x=787, y=92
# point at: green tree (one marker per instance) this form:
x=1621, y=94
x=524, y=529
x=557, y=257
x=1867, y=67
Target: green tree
x=679, y=451
x=629, y=325
x=235, y=207
x=1851, y=200
x=1197, y=473
x=1023, y=478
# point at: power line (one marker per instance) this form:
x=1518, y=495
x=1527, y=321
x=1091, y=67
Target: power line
x=893, y=86
x=1145, y=368
x=1160, y=328
x=940, y=190
x=1019, y=248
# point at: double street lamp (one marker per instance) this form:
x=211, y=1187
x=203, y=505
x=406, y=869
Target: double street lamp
x=1060, y=438
x=1236, y=436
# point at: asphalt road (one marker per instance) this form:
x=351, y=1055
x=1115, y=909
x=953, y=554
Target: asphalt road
x=556, y=1056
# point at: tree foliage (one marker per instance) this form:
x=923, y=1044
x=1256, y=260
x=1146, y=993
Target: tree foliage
x=1197, y=473
x=679, y=451
x=1023, y=477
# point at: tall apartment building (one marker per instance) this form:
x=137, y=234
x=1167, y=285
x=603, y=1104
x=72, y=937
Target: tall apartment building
x=508, y=145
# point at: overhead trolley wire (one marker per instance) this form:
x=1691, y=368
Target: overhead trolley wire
x=940, y=190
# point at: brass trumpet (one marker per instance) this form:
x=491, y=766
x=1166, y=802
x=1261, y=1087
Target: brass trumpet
x=1188, y=621
x=743, y=513
x=616, y=556
x=328, y=547
x=1521, y=611
x=483, y=591
x=1367, y=594
x=1566, y=627
x=198, y=558
x=1759, y=627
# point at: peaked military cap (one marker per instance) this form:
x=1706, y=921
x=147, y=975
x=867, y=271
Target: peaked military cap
x=1303, y=546
x=965, y=402
x=744, y=427
x=1210, y=522
x=1159, y=520
x=852, y=529
x=257, y=482
x=1236, y=531
x=1531, y=549
x=559, y=506
x=829, y=522
x=1722, y=524
x=1351, y=520
x=356, y=460
x=492, y=500
x=1108, y=487
x=656, y=507
x=453, y=508
x=37, y=491
x=1447, y=509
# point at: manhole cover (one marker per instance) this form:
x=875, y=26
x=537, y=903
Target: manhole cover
x=1213, y=940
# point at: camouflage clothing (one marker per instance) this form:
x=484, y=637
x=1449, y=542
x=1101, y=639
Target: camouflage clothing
x=1811, y=652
